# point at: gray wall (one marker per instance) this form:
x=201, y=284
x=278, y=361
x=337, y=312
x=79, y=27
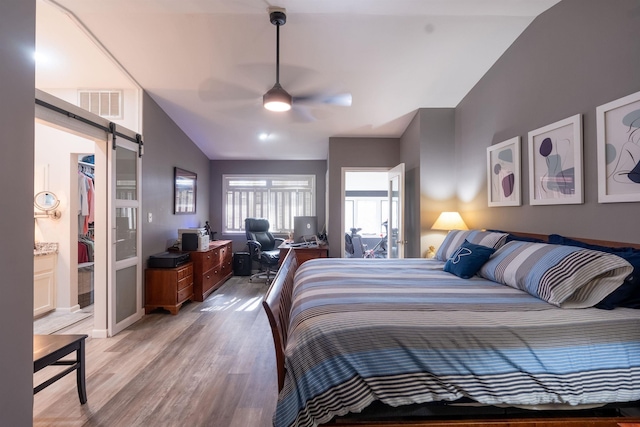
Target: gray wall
x=576, y=56
x=353, y=152
x=410, y=143
x=219, y=168
x=427, y=149
x=17, y=76
x=165, y=147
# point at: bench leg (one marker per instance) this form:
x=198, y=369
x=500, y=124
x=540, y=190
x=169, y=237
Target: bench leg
x=82, y=390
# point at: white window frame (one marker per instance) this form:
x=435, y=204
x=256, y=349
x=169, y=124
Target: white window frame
x=381, y=214
x=278, y=198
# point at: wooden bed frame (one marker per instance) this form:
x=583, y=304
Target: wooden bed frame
x=277, y=305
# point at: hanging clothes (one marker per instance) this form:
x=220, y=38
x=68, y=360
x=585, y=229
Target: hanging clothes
x=85, y=249
x=90, y=196
x=85, y=197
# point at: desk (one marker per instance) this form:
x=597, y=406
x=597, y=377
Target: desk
x=304, y=253
x=49, y=349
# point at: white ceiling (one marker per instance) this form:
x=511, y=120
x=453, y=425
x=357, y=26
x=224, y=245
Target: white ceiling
x=207, y=63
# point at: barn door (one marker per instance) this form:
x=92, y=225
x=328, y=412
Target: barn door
x=125, y=280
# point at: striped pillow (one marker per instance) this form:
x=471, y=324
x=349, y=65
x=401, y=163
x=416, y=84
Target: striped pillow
x=455, y=238
x=565, y=276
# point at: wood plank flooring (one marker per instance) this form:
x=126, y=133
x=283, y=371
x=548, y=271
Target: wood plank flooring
x=213, y=364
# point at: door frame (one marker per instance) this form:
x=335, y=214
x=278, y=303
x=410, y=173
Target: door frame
x=396, y=172
x=343, y=191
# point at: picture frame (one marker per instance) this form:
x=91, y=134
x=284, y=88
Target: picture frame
x=618, y=150
x=503, y=173
x=555, y=163
x=184, y=191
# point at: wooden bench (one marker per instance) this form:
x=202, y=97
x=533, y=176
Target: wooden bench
x=49, y=349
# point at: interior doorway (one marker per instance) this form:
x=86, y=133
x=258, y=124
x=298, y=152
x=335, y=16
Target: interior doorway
x=365, y=205
x=61, y=160
x=117, y=254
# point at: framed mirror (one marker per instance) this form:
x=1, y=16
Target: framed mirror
x=184, y=193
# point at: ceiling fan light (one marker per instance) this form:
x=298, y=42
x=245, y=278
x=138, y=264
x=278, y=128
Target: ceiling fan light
x=277, y=99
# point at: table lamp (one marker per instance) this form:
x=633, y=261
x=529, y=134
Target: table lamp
x=449, y=221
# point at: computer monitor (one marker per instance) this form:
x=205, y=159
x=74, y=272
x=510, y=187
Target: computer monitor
x=305, y=229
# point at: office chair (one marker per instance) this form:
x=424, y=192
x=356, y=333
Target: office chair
x=353, y=246
x=263, y=247
x=358, y=247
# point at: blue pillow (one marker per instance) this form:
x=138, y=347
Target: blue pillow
x=628, y=294
x=467, y=259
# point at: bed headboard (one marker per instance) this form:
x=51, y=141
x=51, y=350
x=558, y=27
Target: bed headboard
x=609, y=243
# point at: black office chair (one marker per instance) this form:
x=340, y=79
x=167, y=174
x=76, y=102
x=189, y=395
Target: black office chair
x=263, y=247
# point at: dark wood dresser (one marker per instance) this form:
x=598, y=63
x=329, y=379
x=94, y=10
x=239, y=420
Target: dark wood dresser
x=211, y=268
x=168, y=288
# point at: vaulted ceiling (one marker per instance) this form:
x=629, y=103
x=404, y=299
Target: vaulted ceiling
x=207, y=63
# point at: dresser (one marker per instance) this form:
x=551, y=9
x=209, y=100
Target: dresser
x=211, y=268
x=168, y=288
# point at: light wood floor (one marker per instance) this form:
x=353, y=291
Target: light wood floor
x=213, y=364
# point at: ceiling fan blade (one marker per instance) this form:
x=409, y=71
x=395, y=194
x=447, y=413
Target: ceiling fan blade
x=211, y=90
x=341, y=99
x=301, y=114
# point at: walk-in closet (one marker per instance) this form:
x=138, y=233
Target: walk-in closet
x=86, y=223
x=64, y=166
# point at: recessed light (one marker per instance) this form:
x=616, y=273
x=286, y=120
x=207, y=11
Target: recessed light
x=264, y=136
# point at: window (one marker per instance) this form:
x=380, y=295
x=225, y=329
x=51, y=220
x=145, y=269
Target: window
x=367, y=213
x=366, y=201
x=276, y=197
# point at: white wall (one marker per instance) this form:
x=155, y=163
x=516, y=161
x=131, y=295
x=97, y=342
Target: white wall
x=130, y=109
x=57, y=151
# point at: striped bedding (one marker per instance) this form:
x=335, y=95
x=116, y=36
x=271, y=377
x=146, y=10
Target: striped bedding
x=404, y=331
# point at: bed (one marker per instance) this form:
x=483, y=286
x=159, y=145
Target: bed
x=350, y=333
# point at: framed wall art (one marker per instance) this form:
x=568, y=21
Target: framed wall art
x=503, y=173
x=555, y=163
x=618, y=149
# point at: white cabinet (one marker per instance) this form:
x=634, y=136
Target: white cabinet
x=44, y=283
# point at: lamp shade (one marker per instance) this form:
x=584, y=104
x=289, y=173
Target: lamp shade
x=277, y=99
x=449, y=221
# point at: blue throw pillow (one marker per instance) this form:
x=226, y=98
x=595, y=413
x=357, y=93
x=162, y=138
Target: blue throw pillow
x=467, y=259
x=628, y=294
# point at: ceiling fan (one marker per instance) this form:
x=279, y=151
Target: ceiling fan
x=277, y=98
